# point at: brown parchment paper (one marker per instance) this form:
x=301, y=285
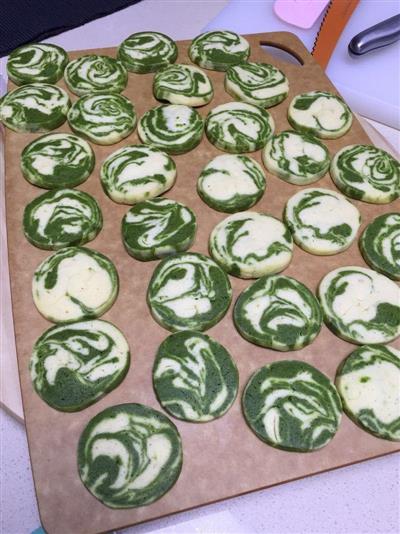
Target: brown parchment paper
x=222, y=458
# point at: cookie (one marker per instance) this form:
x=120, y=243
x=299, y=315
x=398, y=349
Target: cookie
x=36, y=63
x=144, y=52
x=218, y=50
x=183, y=84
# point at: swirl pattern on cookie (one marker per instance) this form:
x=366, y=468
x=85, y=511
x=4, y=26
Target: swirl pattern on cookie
x=129, y=455
x=183, y=84
x=73, y=284
x=147, y=52
x=188, y=291
x=194, y=377
x=73, y=366
x=292, y=406
x=360, y=305
x=239, y=127
x=249, y=244
x=36, y=63
x=219, y=50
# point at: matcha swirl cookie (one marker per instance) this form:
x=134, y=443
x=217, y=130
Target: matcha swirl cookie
x=73, y=366
x=174, y=128
x=194, y=377
x=260, y=84
x=129, y=455
x=156, y=228
x=103, y=118
x=321, y=114
x=295, y=157
x=62, y=218
x=322, y=221
x=188, y=291
x=183, y=84
x=360, y=305
x=218, y=50
x=36, y=62
x=239, y=127
x=57, y=160
x=136, y=172
x=380, y=244
x=279, y=313
x=147, y=52
x=73, y=284
x=250, y=244
x=366, y=173
x=34, y=108
x=368, y=383
x=231, y=183
x=292, y=406
x=94, y=73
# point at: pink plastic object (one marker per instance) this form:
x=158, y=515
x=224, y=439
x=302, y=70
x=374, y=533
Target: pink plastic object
x=300, y=13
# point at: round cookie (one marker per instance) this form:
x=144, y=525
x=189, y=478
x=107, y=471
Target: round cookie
x=74, y=284
x=295, y=157
x=36, y=63
x=292, y=406
x=368, y=383
x=260, y=84
x=34, y=108
x=183, y=84
x=360, y=305
x=62, y=218
x=194, y=377
x=218, y=50
x=238, y=127
x=231, y=183
x=380, y=244
x=147, y=52
x=57, y=160
x=249, y=244
x=188, y=291
x=174, y=128
x=103, y=118
x=129, y=455
x=321, y=114
x=157, y=228
x=135, y=173
x=366, y=173
x=279, y=313
x=73, y=366
x=95, y=74
x=322, y=221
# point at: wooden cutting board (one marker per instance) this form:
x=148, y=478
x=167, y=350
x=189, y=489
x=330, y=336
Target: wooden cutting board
x=222, y=458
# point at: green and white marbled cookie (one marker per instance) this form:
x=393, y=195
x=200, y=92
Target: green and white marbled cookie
x=360, y=305
x=322, y=221
x=380, y=244
x=94, y=73
x=239, y=127
x=366, y=173
x=147, y=52
x=34, y=108
x=73, y=284
x=174, y=128
x=219, y=50
x=157, y=228
x=36, y=63
x=103, y=118
x=260, y=84
x=368, y=381
x=231, y=183
x=278, y=312
x=292, y=406
x=188, y=291
x=250, y=244
x=183, y=84
x=129, y=455
x=57, y=160
x=321, y=114
x=295, y=157
x=62, y=218
x=194, y=377
x=73, y=366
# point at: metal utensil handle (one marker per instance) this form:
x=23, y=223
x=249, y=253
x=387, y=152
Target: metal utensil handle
x=382, y=34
